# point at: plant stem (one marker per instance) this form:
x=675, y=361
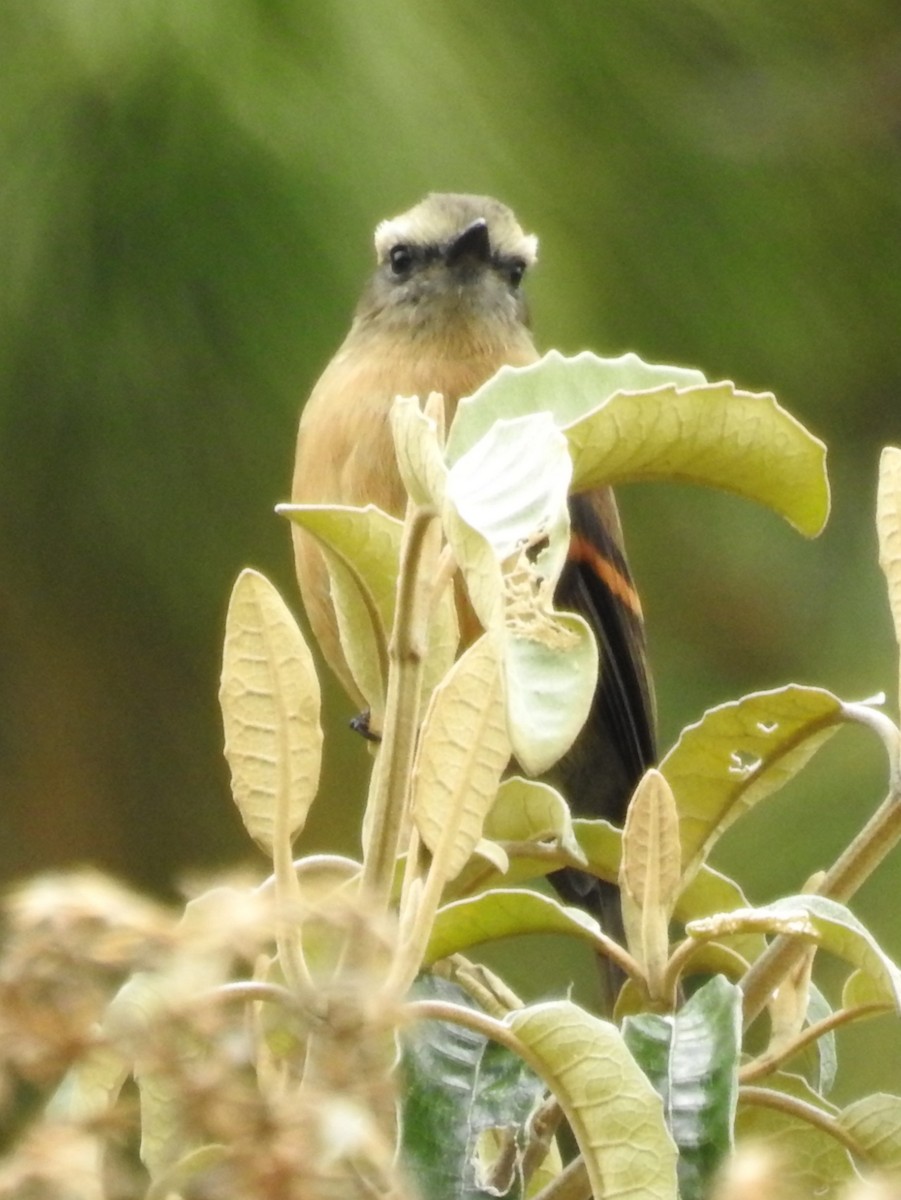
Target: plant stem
x=802, y=1110
x=391, y=777
x=853, y=867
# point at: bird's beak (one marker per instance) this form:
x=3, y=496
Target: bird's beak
x=473, y=242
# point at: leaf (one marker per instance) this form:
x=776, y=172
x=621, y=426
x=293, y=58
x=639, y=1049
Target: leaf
x=361, y=547
x=629, y=420
x=567, y=387
x=463, y=750
x=419, y=458
x=692, y=1060
x=362, y=552
x=512, y=486
x=90, y=1088
x=649, y=873
x=711, y=434
x=459, y=1090
x=551, y=669
x=270, y=709
x=615, y=1114
x=811, y=1160
x=527, y=810
x=861, y=989
x=888, y=527
x=738, y=754
x=828, y=924
x=875, y=1124
x=501, y=913
x=711, y=892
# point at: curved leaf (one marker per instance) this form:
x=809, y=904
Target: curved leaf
x=270, y=709
x=500, y=913
x=551, y=669
x=527, y=810
x=810, y=1159
x=567, y=387
x=463, y=750
x=712, y=434
x=460, y=1091
x=419, y=456
x=692, y=1060
x=816, y=919
x=738, y=754
x=615, y=1114
x=875, y=1124
x=630, y=420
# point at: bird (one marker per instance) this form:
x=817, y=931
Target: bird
x=443, y=311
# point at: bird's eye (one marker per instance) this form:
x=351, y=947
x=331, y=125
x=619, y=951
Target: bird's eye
x=401, y=259
x=516, y=268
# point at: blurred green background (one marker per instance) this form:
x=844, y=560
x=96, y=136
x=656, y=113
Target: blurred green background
x=187, y=196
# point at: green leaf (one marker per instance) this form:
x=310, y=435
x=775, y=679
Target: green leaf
x=362, y=552
x=738, y=754
x=270, y=709
x=567, y=387
x=713, y=434
x=460, y=1091
x=811, y=1160
x=463, y=750
x=512, y=486
x=501, y=913
x=615, y=1114
x=361, y=547
x=825, y=923
x=692, y=1060
x=875, y=1124
x=551, y=669
x=629, y=420
x=419, y=456
x=527, y=810
x=710, y=892
x=824, y=1051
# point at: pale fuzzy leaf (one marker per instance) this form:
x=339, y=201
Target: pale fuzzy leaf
x=810, y=1160
x=419, y=456
x=512, y=486
x=270, y=707
x=888, y=527
x=463, y=750
x=615, y=1114
x=649, y=871
x=551, y=669
x=712, y=434
x=527, y=810
x=566, y=387
x=501, y=913
x=738, y=754
x=875, y=1124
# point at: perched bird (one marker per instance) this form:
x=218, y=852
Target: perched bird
x=443, y=311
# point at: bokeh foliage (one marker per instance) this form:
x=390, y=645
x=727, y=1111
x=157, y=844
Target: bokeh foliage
x=187, y=193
